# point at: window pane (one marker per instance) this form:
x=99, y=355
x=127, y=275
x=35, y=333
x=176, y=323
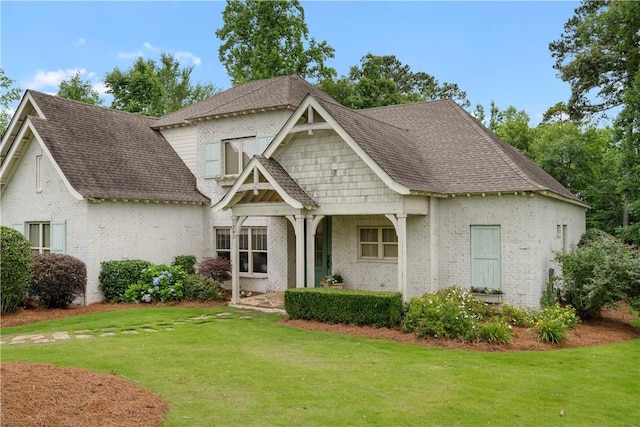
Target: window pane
x=46, y=234
x=259, y=262
x=259, y=239
x=224, y=255
x=34, y=235
x=389, y=235
x=390, y=251
x=244, y=262
x=243, y=240
x=368, y=234
x=369, y=251
x=223, y=239
x=232, y=150
x=249, y=149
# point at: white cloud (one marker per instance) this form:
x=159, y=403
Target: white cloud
x=148, y=45
x=81, y=41
x=195, y=60
x=47, y=79
x=99, y=87
x=130, y=55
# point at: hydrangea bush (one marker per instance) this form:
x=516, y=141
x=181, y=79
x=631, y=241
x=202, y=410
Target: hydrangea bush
x=158, y=283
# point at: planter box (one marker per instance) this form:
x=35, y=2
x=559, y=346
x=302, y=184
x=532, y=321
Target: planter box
x=488, y=298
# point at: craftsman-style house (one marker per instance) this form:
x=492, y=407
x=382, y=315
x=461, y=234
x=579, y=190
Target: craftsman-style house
x=291, y=186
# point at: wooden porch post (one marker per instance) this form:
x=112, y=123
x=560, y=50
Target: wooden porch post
x=235, y=258
x=399, y=221
x=311, y=239
x=300, y=251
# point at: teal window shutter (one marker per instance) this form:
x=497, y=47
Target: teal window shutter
x=58, y=237
x=18, y=227
x=212, y=161
x=486, y=259
x=263, y=142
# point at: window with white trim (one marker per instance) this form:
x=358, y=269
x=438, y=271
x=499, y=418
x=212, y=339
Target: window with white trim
x=252, y=246
x=377, y=243
x=39, y=234
x=229, y=157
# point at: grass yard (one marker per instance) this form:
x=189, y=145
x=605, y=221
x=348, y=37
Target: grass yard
x=227, y=367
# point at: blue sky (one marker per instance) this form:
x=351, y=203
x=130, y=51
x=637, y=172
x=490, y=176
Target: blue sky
x=492, y=50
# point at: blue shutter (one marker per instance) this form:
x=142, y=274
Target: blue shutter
x=18, y=227
x=212, y=163
x=485, y=256
x=58, y=237
x=263, y=142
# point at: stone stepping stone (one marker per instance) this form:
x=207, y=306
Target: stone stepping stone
x=43, y=341
x=84, y=337
x=108, y=334
x=61, y=335
x=149, y=330
x=224, y=314
x=130, y=332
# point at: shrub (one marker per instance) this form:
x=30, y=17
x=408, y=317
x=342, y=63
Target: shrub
x=218, y=269
x=566, y=315
x=516, y=316
x=57, y=279
x=116, y=277
x=198, y=288
x=450, y=313
x=15, y=267
x=551, y=331
x=495, y=332
x=157, y=283
x=381, y=309
x=602, y=272
x=186, y=262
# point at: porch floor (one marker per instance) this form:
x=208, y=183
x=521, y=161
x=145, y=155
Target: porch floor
x=272, y=302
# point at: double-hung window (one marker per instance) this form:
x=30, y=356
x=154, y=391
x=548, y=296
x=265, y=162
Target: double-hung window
x=252, y=246
x=377, y=243
x=39, y=234
x=228, y=157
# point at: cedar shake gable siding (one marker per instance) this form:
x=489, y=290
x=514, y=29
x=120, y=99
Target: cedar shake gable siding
x=285, y=92
x=288, y=184
x=109, y=154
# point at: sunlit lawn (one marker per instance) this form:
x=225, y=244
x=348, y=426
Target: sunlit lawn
x=245, y=369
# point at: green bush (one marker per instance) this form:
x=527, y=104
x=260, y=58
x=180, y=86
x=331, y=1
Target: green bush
x=495, y=332
x=57, y=279
x=157, y=283
x=198, y=288
x=381, y=309
x=450, y=313
x=551, y=331
x=186, y=262
x=116, y=277
x=602, y=272
x=517, y=316
x=15, y=267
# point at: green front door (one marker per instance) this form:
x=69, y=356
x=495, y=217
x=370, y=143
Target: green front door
x=322, y=248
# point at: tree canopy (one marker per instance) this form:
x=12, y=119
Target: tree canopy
x=8, y=94
x=262, y=39
x=79, y=90
x=153, y=89
x=384, y=80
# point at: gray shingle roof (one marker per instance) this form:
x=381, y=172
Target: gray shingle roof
x=288, y=184
x=444, y=149
x=276, y=92
x=106, y=153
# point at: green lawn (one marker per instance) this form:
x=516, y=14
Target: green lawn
x=244, y=369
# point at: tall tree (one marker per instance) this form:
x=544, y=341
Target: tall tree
x=599, y=55
x=8, y=94
x=153, y=89
x=262, y=39
x=512, y=126
x=384, y=80
x=79, y=90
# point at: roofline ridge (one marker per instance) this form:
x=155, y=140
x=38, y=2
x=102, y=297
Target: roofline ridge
x=501, y=153
x=426, y=101
x=358, y=112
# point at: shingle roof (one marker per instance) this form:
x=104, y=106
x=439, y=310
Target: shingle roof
x=288, y=184
x=106, y=153
x=276, y=92
x=446, y=150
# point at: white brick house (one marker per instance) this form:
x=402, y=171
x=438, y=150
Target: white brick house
x=414, y=197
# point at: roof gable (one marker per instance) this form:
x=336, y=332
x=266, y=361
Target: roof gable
x=109, y=154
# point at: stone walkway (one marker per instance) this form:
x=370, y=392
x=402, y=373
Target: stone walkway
x=272, y=302
x=113, y=331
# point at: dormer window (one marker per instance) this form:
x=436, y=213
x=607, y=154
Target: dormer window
x=228, y=157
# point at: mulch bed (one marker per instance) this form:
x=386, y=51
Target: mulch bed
x=47, y=395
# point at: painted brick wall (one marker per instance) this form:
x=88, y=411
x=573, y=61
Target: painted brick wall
x=331, y=172
x=527, y=224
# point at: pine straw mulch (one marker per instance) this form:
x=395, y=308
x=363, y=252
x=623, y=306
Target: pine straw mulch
x=42, y=394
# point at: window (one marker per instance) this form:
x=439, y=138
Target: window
x=252, y=245
x=230, y=156
x=38, y=174
x=39, y=234
x=377, y=243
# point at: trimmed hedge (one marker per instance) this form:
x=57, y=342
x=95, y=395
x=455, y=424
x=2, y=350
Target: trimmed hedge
x=186, y=262
x=57, y=279
x=381, y=309
x=116, y=277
